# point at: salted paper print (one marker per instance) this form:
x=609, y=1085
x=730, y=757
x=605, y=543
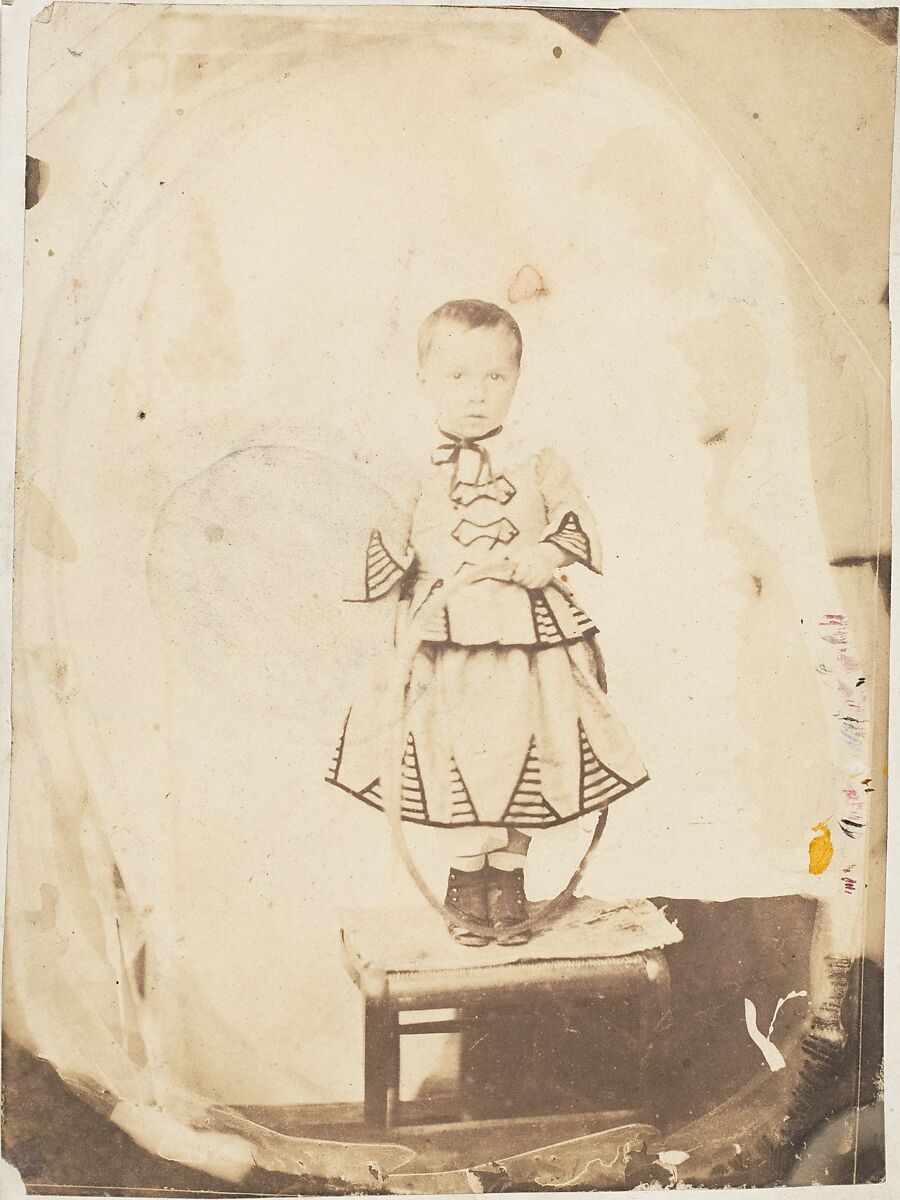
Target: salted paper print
x=451, y=601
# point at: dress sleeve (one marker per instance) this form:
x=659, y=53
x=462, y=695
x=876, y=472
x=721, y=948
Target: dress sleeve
x=383, y=571
x=389, y=560
x=570, y=522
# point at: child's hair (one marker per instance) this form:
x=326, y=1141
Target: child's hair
x=472, y=314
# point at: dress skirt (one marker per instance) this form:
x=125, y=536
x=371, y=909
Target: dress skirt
x=517, y=736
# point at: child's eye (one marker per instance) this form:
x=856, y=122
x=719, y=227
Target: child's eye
x=495, y=376
x=457, y=374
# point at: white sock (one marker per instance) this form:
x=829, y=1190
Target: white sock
x=506, y=860
x=467, y=862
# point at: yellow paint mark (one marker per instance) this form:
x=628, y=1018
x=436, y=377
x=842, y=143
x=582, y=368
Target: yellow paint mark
x=821, y=851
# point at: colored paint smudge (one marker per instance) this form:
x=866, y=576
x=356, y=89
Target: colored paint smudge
x=821, y=850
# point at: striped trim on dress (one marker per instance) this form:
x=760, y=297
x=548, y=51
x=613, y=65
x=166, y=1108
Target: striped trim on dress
x=382, y=569
x=546, y=626
x=599, y=786
x=527, y=807
x=571, y=537
x=462, y=812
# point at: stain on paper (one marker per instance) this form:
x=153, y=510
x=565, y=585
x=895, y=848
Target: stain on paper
x=527, y=284
x=821, y=849
x=37, y=176
x=587, y=24
x=46, y=529
x=880, y=22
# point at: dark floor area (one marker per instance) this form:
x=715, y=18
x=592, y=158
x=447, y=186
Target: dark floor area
x=708, y=1082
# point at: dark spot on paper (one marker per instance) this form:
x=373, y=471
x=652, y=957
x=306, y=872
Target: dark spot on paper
x=719, y=436
x=557, y=51
x=757, y=583
x=179, y=112
x=162, y=183
x=756, y=116
x=880, y=22
x=142, y=415
x=37, y=175
x=75, y=53
x=588, y=24
x=140, y=970
x=880, y=564
x=49, y=253
x=886, y=295
x=214, y=533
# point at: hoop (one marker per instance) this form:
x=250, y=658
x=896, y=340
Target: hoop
x=547, y=910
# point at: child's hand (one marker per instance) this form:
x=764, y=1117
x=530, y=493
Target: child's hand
x=534, y=566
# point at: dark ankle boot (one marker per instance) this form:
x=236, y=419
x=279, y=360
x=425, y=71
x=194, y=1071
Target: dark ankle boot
x=507, y=905
x=467, y=901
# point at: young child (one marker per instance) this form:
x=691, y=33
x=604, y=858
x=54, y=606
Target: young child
x=510, y=730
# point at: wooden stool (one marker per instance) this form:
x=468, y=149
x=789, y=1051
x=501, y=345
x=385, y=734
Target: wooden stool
x=407, y=962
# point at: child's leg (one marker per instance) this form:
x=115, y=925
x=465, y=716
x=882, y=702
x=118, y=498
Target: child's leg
x=512, y=855
x=471, y=847
x=468, y=862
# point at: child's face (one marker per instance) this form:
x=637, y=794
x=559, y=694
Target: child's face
x=470, y=376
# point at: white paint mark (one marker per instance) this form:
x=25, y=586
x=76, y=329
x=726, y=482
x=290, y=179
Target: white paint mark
x=773, y=1056
x=672, y=1160
x=789, y=996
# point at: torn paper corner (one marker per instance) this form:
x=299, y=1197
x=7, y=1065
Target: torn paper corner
x=12, y=1187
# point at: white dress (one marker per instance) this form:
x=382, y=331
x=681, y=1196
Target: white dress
x=510, y=725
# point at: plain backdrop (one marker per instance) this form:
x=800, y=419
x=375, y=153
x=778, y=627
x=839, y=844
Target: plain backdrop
x=246, y=215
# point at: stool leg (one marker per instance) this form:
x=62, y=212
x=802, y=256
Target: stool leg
x=656, y=1014
x=382, y=1063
